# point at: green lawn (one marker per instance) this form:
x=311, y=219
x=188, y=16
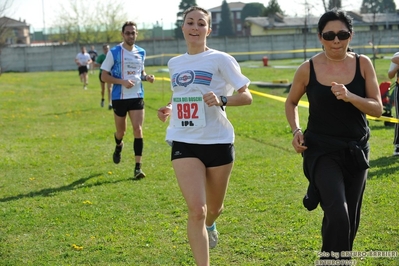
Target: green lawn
x=64, y=202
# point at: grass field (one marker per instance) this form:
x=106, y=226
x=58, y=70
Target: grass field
x=64, y=202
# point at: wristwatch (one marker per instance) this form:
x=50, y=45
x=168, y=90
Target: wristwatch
x=224, y=100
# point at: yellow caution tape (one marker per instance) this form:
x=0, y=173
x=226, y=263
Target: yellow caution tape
x=306, y=104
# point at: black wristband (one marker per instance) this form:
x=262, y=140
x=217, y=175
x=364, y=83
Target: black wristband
x=144, y=78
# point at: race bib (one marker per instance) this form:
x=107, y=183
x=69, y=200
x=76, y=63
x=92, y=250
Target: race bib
x=188, y=111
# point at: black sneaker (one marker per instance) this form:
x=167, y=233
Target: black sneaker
x=138, y=173
x=396, y=151
x=117, y=153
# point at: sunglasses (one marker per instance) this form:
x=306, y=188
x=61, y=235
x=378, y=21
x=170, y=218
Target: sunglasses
x=330, y=35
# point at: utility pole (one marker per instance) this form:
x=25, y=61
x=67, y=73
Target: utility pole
x=305, y=30
x=372, y=37
x=44, y=23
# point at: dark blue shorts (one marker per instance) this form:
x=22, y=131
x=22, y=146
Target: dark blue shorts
x=121, y=107
x=210, y=155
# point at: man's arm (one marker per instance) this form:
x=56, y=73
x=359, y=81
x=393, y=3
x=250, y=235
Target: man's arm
x=394, y=66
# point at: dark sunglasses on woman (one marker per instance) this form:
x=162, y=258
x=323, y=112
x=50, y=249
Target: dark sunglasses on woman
x=330, y=35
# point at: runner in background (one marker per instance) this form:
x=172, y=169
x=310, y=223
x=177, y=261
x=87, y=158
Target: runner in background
x=99, y=61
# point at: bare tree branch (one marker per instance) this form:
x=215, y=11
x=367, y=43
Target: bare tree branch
x=4, y=31
x=78, y=23
x=325, y=5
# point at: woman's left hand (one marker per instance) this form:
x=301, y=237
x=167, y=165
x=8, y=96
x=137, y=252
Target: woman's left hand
x=211, y=99
x=340, y=91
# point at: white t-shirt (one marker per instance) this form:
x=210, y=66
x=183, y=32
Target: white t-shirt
x=192, y=121
x=83, y=59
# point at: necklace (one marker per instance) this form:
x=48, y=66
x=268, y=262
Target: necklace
x=336, y=60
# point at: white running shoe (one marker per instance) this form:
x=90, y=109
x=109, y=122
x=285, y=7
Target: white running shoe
x=213, y=237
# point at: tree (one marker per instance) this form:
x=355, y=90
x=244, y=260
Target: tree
x=272, y=8
x=377, y=6
x=225, y=24
x=111, y=21
x=103, y=25
x=334, y=4
x=252, y=10
x=184, y=4
x=5, y=32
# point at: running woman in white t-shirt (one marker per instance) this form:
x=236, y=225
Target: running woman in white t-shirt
x=124, y=67
x=203, y=82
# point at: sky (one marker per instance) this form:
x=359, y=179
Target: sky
x=42, y=13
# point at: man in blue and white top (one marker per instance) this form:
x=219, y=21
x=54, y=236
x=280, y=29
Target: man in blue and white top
x=124, y=67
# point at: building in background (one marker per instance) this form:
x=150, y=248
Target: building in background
x=235, y=10
x=279, y=25
x=14, y=31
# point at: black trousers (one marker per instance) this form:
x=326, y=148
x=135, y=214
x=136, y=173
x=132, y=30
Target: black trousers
x=396, y=102
x=341, y=188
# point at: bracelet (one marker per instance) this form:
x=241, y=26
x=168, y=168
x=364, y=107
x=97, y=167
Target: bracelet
x=296, y=131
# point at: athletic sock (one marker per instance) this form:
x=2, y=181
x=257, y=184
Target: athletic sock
x=138, y=146
x=138, y=166
x=212, y=227
x=117, y=141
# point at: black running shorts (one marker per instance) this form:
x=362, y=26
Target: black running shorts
x=82, y=69
x=121, y=107
x=210, y=155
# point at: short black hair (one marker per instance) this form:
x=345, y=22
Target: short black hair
x=332, y=15
x=128, y=23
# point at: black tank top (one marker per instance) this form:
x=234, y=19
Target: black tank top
x=336, y=118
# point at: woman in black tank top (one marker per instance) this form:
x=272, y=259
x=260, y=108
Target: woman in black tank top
x=342, y=89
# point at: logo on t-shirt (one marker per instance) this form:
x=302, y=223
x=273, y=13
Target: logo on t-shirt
x=188, y=77
x=184, y=78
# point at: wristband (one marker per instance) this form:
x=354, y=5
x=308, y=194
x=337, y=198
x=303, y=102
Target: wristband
x=144, y=78
x=296, y=131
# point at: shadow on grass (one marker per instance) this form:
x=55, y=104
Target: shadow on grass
x=69, y=112
x=268, y=143
x=384, y=166
x=80, y=183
